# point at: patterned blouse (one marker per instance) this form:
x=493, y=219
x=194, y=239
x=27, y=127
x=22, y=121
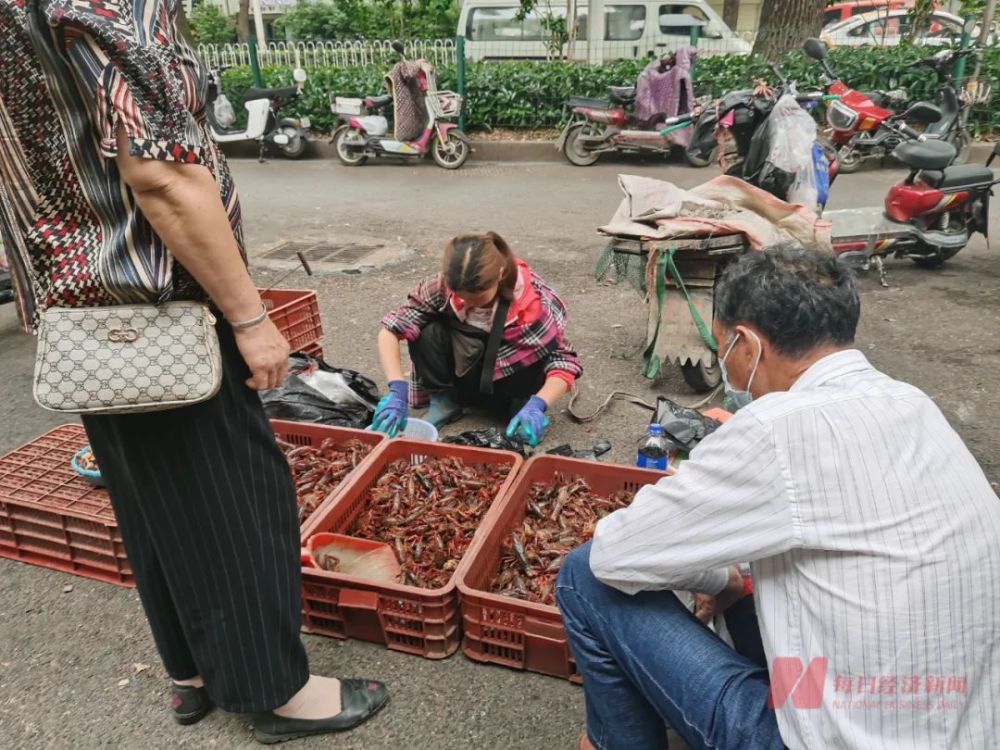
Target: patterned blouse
x=535, y=329
x=72, y=72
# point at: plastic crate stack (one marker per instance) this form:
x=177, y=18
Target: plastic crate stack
x=51, y=517
x=295, y=312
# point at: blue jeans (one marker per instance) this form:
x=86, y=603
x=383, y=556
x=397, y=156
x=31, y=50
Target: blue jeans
x=647, y=662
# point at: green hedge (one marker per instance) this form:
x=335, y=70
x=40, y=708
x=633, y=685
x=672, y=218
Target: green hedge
x=531, y=94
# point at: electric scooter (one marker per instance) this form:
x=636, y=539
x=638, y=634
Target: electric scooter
x=599, y=126
x=363, y=135
x=288, y=134
x=857, y=119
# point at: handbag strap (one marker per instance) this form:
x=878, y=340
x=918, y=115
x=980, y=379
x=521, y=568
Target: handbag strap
x=493, y=346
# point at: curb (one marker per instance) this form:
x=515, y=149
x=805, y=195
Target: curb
x=509, y=151
x=505, y=151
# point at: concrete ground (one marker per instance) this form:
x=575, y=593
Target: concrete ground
x=78, y=667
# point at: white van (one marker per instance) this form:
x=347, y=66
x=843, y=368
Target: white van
x=631, y=29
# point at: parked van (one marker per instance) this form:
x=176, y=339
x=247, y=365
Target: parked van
x=631, y=29
x=842, y=11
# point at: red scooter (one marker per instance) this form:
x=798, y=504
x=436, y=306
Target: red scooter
x=858, y=118
x=928, y=217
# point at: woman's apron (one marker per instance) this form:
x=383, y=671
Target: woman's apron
x=470, y=345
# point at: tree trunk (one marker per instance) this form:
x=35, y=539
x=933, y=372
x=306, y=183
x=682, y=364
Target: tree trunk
x=785, y=24
x=184, y=26
x=731, y=13
x=243, y=22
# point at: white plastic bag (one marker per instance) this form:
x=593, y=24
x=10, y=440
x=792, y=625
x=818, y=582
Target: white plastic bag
x=792, y=135
x=225, y=115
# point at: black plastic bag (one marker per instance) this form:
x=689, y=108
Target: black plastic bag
x=687, y=427
x=488, y=437
x=585, y=454
x=494, y=437
x=317, y=392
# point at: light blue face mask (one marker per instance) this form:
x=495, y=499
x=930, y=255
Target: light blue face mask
x=735, y=400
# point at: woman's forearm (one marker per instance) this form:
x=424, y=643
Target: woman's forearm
x=388, y=355
x=182, y=204
x=553, y=390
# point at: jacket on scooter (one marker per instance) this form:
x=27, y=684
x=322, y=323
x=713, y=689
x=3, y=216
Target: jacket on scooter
x=407, y=82
x=662, y=92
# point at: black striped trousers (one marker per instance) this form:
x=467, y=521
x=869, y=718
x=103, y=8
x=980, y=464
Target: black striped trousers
x=206, y=507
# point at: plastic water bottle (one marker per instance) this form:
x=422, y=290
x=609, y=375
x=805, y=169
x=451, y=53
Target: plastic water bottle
x=654, y=449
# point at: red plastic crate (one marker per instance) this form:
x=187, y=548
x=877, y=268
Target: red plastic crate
x=303, y=433
x=296, y=314
x=50, y=516
x=513, y=632
x=425, y=622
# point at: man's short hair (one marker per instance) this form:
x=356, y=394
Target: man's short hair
x=799, y=298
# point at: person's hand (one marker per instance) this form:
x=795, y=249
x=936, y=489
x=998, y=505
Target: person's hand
x=530, y=422
x=706, y=607
x=390, y=414
x=265, y=351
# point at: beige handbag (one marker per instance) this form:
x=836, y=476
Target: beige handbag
x=127, y=358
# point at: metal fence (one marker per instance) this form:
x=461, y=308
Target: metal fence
x=327, y=54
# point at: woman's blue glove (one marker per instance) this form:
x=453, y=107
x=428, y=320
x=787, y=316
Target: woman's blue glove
x=390, y=414
x=530, y=422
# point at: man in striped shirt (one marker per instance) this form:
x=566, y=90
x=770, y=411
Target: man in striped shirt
x=873, y=537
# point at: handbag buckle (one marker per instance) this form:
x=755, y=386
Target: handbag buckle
x=123, y=335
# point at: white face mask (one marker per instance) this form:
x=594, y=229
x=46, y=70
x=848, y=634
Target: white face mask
x=739, y=399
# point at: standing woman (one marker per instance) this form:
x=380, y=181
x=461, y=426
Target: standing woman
x=486, y=332
x=113, y=192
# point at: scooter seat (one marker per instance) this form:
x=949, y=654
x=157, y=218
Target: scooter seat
x=622, y=94
x=285, y=93
x=378, y=101
x=887, y=99
x=957, y=176
x=925, y=154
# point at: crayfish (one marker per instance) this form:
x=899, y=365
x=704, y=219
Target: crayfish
x=560, y=516
x=429, y=513
x=318, y=470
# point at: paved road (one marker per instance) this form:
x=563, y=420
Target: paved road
x=63, y=656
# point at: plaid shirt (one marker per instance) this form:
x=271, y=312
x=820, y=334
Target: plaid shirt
x=533, y=334
x=73, y=233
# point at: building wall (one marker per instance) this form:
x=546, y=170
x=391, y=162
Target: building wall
x=749, y=14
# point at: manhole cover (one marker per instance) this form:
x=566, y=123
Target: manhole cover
x=347, y=253
x=344, y=254
x=287, y=250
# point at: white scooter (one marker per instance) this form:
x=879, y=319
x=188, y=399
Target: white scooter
x=288, y=134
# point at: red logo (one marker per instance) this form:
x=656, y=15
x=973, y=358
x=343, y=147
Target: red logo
x=790, y=678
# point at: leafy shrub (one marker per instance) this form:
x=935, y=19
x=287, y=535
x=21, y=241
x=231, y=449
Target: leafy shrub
x=210, y=26
x=530, y=94
x=317, y=20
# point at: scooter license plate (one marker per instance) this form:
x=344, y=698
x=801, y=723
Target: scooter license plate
x=305, y=122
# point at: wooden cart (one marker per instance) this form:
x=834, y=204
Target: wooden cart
x=673, y=333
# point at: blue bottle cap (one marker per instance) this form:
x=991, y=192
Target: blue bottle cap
x=656, y=429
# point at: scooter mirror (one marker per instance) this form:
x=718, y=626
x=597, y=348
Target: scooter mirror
x=299, y=75
x=815, y=49
x=924, y=112
x=398, y=47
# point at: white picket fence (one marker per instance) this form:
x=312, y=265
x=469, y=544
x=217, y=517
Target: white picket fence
x=326, y=54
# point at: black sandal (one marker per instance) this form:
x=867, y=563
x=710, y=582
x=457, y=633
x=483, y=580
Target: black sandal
x=359, y=700
x=190, y=704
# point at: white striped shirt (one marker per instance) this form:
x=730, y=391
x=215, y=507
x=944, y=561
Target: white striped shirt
x=874, y=538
